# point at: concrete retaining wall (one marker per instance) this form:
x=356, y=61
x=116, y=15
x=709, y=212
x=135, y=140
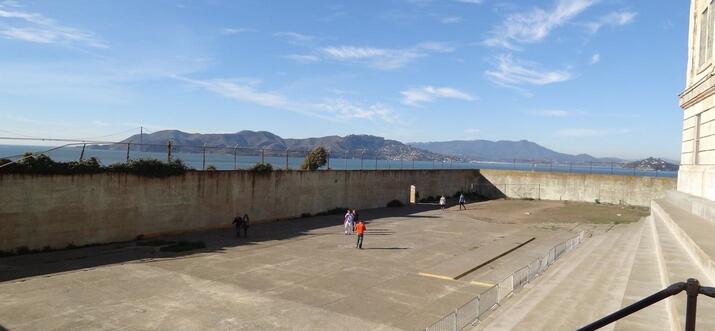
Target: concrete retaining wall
x=39, y=211
x=631, y=190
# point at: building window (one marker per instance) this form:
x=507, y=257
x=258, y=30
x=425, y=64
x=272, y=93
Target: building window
x=705, y=50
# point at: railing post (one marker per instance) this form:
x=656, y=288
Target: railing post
x=328, y=160
x=263, y=156
x=128, y=147
x=692, y=288
x=375, y=161
x=346, y=160
x=413, y=163
x=402, y=161
x=362, y=155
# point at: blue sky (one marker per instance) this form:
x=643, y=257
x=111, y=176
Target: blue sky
x=578, y=76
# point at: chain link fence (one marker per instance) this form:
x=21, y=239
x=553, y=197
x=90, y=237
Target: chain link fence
x=472, y=311
x=224, y=157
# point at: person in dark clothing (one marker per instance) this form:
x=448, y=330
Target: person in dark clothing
x=238, y=222
x=462, y=201
x=356, y=217
x=245, y=224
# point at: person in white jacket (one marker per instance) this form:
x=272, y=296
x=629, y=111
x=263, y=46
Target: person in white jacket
x=442, y=202
x=349, y=222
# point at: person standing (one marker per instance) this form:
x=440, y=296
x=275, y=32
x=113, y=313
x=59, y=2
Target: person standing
x=442, y=202
x=462, y=201
x=238, y=223
x=246, y=224
x=360, y=230
x=347, y=222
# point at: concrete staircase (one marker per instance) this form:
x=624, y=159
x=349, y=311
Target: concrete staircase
x=616, y=268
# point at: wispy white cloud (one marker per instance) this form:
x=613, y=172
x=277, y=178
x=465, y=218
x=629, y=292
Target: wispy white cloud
x=511, y=73
x=235, y=31
x=302, y=58
x=338, y=109
x=595, y=58
x=241, y=91
x=472, y=2
x=535, y=25
x=37, y=28
x=348, y=110
x=451, y=20
x=384, y=58
x=552, y=113
x=295, y=37
x=612, y=19
x=420, y=95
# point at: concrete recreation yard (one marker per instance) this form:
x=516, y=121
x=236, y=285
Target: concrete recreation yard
x=300, y=274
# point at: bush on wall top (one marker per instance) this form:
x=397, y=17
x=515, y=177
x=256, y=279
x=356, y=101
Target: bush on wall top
x=44, y=165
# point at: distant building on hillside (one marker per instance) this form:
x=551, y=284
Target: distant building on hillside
x=697, y=171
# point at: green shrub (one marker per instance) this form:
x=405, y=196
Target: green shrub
x=261, y=168
x=317, y=158
x=43, y=165
x=395, y=203
x=211, y=167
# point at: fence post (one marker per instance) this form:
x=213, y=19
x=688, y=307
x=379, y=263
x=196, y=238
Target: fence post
x=203, y=166
x=168, y=151
x=375, y=161
x=235, y=157
x=81, y=155
x=263, y=156
x=128, y=147
x=514, y=164
x=286, y=168
x=611, y=168
x=413, y=163
x=433, y=167
x=551, y=166
x=402, y=161
x=346, y=160
x=328, y=161
x=362, y=155
x=388, y=163
x=450, y=163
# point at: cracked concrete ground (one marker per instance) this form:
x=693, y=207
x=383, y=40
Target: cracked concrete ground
x=302, y=274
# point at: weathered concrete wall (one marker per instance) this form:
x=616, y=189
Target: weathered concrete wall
x=38, y=211
x=631, y=190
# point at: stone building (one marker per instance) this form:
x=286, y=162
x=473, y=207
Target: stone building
x=697, y=171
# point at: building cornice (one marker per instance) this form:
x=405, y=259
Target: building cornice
x=697, y=92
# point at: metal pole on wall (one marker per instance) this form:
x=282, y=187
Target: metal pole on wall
x=346, y=160
x=375, y=162
x=203, y=166
x=514, y=164
x=401, y=163
x=433, y=161
x=362, y=155
x=168, y=152
x=450, y=163
x=263, y=156
x=286, y=168
x=413, y=163
x=81, y=155
x=128, y=146
x=235, y=157
x=611, y=168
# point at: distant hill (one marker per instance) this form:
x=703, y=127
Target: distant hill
x=652, y=163
x=371, y=145
x=505, y=151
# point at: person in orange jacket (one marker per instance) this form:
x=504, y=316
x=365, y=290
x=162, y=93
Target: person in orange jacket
x=360, y=231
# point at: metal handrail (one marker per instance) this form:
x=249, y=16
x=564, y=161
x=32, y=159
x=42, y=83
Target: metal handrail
x=692, y=288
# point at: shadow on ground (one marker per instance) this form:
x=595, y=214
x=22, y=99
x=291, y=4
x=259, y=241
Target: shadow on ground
x=21, y=266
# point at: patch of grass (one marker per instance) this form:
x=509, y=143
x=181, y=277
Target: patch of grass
x=183, y=246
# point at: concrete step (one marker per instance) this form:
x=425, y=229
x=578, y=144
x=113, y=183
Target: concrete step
x=678, y=265
x=698, y=206
x=584, y=285
x=645, y=279
x=693, y=232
